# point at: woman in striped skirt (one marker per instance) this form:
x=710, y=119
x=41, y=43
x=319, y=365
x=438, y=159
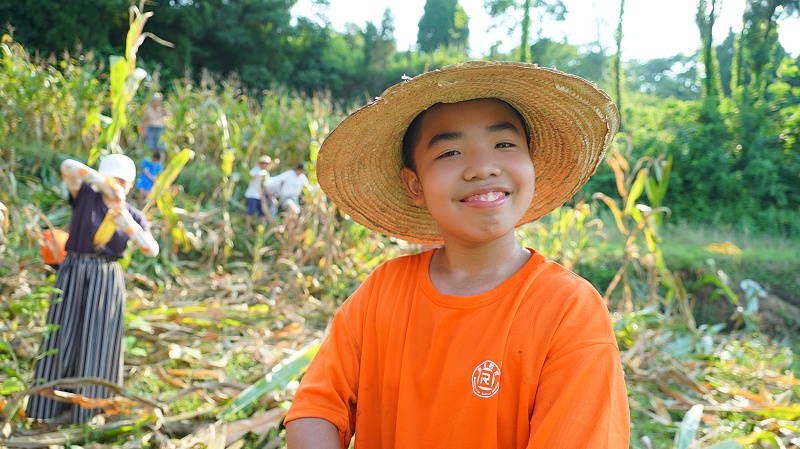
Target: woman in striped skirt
x=88, y=311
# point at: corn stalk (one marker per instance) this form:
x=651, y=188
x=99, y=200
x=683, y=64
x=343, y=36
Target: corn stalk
x=636, y=222
x=125, y=80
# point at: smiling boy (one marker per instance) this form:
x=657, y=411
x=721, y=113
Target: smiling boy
x=482, y=343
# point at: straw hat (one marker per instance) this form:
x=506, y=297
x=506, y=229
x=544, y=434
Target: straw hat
x=571, y=122
x=118, y=166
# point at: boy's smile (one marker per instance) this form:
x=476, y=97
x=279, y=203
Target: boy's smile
x=473, y=169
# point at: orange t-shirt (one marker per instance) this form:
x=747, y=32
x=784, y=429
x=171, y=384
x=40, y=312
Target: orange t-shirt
x=532, y=363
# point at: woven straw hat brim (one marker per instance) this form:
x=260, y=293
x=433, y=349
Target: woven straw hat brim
x=571, y=122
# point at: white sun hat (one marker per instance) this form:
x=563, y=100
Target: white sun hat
x=118, y=166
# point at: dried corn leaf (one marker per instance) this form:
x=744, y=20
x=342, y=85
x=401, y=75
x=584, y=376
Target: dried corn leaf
x=660, y=410
x=258, y=424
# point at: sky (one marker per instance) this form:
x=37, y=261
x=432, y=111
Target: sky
x=651, y=29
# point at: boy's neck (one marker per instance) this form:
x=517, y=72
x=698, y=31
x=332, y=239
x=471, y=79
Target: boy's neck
x=466, y=270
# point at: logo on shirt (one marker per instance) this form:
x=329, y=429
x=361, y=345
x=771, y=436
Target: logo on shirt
x=486, y=379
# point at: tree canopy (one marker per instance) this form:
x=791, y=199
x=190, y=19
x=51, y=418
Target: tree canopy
x=444, y=23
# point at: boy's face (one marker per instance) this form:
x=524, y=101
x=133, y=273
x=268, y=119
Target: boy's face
x=473, y=169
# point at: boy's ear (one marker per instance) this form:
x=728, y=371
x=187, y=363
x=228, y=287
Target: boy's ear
x=413, y=186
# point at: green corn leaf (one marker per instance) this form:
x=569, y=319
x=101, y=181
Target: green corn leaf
x=277, y=379
x=169, y=175
x=651, y=238
x=11, y=386
x=688, y=427
x=227, y=162
x=636, y=190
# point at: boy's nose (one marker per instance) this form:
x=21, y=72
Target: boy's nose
x=481, y=165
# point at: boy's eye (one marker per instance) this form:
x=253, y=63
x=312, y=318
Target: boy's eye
x=505, y=145
x=447, y=154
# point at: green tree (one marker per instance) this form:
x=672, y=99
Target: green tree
x=444, y=23
x=247, y=37
x=707, y=15
x=513, y=9
x=618, y=77
x=725, y=54
x=185, y=24
x=674, y=77
x=379, y=49
x=590, y=65
x=325, y=60
x=52, y=26
x=759, y=54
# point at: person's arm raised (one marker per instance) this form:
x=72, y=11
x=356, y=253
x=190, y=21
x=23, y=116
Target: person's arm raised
x=312, y=433
x=143, y=239
x=75, y=173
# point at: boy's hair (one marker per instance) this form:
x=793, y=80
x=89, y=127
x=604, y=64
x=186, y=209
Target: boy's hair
x=300, y=166
x=156, y=155
x=570, y=122
x=411, y=137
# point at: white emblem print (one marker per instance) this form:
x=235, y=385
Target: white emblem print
x=486, y=379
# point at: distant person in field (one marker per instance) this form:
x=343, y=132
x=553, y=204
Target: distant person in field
x=87, y=311
x=482, y=342
x=258, y=197
x=153, y=123
x=287, y=188
x=150, y=170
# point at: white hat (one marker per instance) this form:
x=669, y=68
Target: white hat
x=118, y=166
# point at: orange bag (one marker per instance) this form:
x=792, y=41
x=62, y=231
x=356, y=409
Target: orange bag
x=55, y=240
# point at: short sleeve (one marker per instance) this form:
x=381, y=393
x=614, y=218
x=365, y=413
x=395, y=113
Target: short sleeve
x=329, y=389
x=582, y=383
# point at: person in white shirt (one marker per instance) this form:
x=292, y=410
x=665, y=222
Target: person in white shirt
x=287, y=188
x=257, y=196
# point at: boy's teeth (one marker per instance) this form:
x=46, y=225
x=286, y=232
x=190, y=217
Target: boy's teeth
x=489, y=196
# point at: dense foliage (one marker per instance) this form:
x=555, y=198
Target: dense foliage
x=727, y=115
x=443, y=24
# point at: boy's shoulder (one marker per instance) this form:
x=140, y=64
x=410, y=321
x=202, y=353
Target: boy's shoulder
x=403, y=263
x=406, y=260
x=397, y=271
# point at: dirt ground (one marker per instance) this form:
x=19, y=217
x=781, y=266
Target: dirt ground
x=778, y=313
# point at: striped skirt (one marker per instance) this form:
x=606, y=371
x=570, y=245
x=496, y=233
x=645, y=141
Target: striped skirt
x=88, y=341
